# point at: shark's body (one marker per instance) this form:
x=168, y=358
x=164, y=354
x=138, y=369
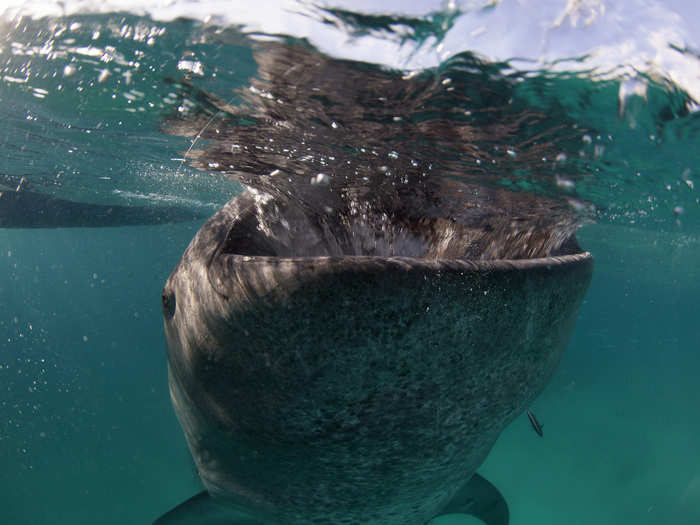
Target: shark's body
x=354, y=389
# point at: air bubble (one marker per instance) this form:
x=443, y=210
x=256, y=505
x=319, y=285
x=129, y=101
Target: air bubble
x=320, y=179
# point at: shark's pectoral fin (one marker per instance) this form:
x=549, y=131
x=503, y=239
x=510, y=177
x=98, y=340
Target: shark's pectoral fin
x=201, y=509
x=479, y=498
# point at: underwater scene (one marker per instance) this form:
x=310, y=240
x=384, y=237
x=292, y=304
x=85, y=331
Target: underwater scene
x=328, y=262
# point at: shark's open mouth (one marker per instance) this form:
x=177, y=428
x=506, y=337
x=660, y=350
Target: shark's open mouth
x=281, y=227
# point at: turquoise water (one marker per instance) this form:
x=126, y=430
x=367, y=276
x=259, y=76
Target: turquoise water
x=89, y=105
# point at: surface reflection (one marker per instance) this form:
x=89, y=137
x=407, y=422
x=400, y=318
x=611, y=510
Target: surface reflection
x=370, y=161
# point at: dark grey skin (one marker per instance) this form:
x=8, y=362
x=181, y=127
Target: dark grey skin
x=336, y=387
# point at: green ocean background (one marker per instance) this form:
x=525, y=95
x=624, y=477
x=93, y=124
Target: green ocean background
x=87, y=433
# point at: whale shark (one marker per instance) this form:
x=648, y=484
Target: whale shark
x=349, y=335
x=346, y=388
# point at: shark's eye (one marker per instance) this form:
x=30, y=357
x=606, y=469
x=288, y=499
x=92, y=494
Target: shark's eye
x=168, y=298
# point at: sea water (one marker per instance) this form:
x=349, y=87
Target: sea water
x=88, y=94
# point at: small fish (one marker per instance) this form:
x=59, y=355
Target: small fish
x=535, y=424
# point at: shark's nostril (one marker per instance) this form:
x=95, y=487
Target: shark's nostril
x=168, y=298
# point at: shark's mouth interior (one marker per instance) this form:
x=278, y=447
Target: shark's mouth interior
x=275, y=227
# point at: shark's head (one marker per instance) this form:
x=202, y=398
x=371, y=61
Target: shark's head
x=359, y=365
